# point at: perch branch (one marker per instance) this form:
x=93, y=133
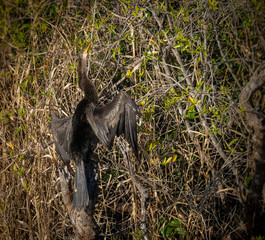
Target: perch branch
x=85, y=227
x=83, y=222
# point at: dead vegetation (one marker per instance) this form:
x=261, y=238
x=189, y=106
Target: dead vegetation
x=185, y=63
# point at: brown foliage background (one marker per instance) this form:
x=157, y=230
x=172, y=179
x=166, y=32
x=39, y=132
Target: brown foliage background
x=184, y=62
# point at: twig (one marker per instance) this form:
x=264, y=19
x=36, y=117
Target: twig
x=198, y=106
x=224, y=58
x=144, y=195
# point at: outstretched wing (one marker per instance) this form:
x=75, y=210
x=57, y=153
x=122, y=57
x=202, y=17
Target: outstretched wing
x=117, y=117
x=61, y=128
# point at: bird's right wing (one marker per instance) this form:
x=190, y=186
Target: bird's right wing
x=117, y=117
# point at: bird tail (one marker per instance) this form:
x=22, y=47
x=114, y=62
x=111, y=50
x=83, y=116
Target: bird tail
x=85, y=193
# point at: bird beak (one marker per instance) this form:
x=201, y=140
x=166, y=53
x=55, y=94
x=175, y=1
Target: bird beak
x=87, y=48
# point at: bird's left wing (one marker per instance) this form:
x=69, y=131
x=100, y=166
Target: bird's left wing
x=117, y=117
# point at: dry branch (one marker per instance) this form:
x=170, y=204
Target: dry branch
x=144, y=195
x=256, y=121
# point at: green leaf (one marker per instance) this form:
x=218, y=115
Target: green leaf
x=174, y=158
x=114, y=54
x=168, y=231
x=213, y=4
x=18, y=129
x=166, y=161
x=175, y=223
x=3, y=207
x=233, y=141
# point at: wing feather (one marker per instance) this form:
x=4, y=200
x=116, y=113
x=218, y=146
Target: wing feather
x=61, y=128
x=117, y=117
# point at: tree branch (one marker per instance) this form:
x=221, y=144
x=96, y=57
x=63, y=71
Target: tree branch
x=144, y=195
x=256, y=121
x=83, y=222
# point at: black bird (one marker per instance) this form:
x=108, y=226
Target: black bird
x=76, y=136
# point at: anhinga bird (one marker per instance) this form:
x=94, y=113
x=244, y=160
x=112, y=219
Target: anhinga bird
x=76, y=136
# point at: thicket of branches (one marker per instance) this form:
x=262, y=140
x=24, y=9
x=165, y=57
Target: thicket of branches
x=184, y=62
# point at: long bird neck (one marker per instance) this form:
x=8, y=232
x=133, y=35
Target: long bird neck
x=84, y=82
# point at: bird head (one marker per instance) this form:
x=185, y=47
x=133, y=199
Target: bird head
x=84, y=52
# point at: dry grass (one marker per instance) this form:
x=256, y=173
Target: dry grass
x=202, y=186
